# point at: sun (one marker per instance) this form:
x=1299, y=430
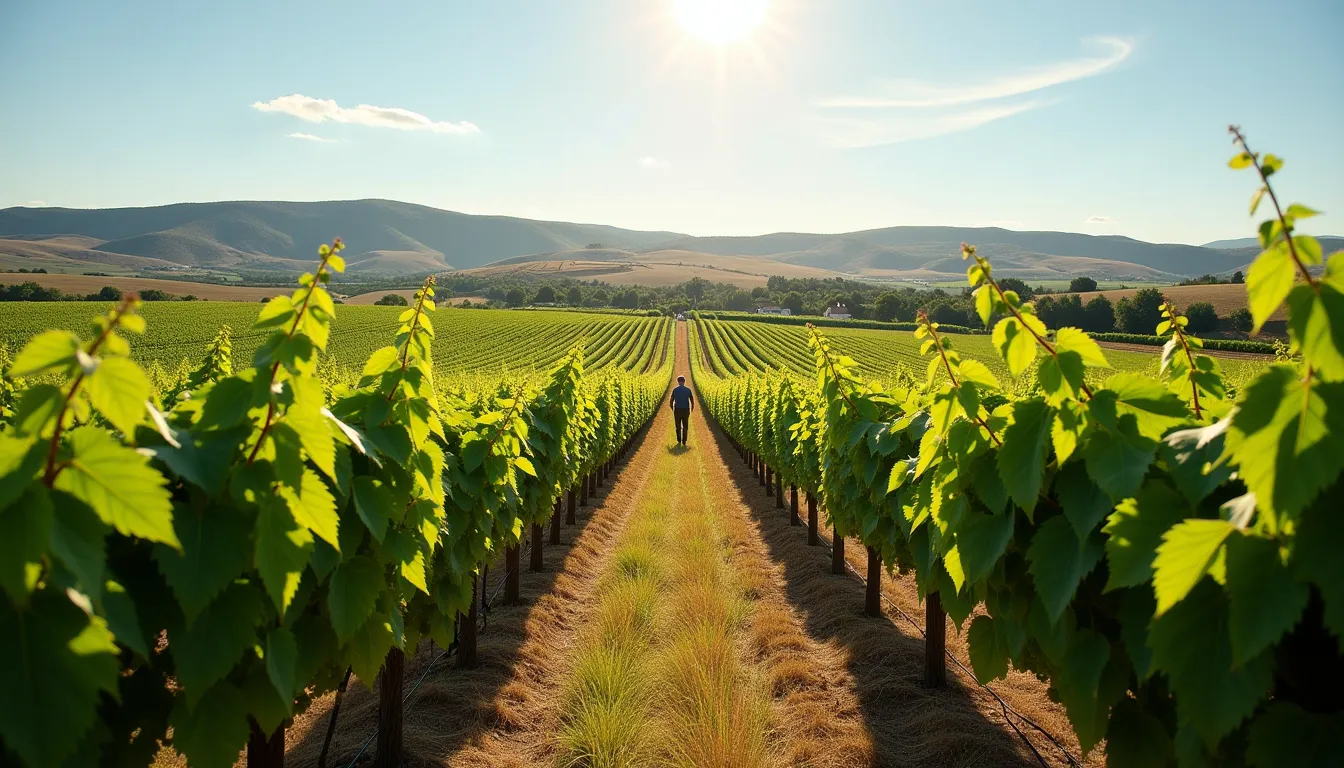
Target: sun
x=720, y=21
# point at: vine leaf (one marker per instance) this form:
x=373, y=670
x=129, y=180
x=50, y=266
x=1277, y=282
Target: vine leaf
x=214, y=553
x=1026, y=442
x=211, y=732
x=1286, y=428
x=1190, y=644
x=120, y=485
x=1316, y=320
x=353, y=592
x=1316, y=558
x=47, y=351
x=1189, y=550
x=1084, y=503
x=25, y=535
x=207, y=650
x=1287, y=735
x=1268, y=282
x=313, y=507
x=119, y=390
x=989, y=651
x=1134, y=532
x=283, y=549
x=1266, y=601
x=59, y=659
x=1136, y=739
x=282, y=653
x=1059, y=561
x=373, y=499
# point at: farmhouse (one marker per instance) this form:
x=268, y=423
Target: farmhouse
x=837, y=311
x=772, y=311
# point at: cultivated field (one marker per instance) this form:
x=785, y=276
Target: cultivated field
x=1226, y=298
x=84, y=284
x=657, y=268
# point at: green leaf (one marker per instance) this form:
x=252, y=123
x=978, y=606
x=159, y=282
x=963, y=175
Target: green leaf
x=1084, y=503
x=1268, y=282
x=282, y=652
x=1316, y=321
x=213, y=731
x=1062, y=375
x=123, y=619
x=984, y=303
x=1192, y=459
x=46, y=351
x=1079, y=685
x=25, y=535
x=1015, y=345
x=1066, y=429
x=1287, y=736
x=982, y=540
x=209, y=648
x=305, y=417
x=1266, y=600
x=1134, y=399
x=281, y=552
x=1135, y=738
x=77, y=538
x=120, y=486
x=214, y=551
x=1134, y=532
x=1190, y=644
x=373, y=503
x=1300, y=211
x=1316, y=559
x=1189, y=550
x=1059, y=561
x=988, y=650
x=369, y=646
x=1025, y=444
x=1285, y=428
x=119, y=390
x=352, y=594
x=314, y=507
x=1240, y=161
x=20, y=461
x=58, y=660
x=277, y=312
x=1118, y=463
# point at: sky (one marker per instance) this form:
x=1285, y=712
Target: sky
x=823, y=116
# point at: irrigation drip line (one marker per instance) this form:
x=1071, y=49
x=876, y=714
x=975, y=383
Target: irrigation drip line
x=1004, y=705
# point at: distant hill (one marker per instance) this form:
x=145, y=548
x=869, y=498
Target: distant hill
x=1329, y=243
x=386, y=237
x=383, y=236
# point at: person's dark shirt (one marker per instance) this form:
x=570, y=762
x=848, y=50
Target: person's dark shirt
x=682, y=399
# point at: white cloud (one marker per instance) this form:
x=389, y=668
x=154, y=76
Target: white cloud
x=654, y=163
x=322, y=110
x=1099, y=220
x=310, y=137
x=908, y=109
x=915, y=94
x=36, y=204
x=854, y=133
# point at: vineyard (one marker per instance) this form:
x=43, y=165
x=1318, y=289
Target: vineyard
x=219, y=522
x=739, y=346
x=1162, y=550
x=207, y=565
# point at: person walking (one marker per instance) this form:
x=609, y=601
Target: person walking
x=683, y=402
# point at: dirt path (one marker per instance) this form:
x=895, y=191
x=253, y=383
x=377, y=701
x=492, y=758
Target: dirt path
x=841, y=689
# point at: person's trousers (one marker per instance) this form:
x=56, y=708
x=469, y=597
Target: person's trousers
x=682, y=417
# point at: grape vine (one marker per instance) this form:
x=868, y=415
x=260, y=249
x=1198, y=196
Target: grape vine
x=1163, y=555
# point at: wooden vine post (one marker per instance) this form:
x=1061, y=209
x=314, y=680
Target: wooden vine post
x=779, y=495
x=769, y=481
x=813, y=535
x=387, y=754
x=935, y=642
x=466, y=631
x=837, y=552
x=793, y=504
x=569, y=511
x=555, y=521
x=511, y=575
x=537, y=536
x=872, y=605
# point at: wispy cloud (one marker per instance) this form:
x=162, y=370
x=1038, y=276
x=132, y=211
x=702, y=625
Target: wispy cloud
x=909, y=93
x=311, y=137
x=1099, y=220
x=854, y=133
x=907, y=109
x=321, y=110
x=654, y=163
x=36, y=204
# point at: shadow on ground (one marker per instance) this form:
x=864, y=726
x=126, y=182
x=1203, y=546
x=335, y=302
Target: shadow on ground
x=910, y=725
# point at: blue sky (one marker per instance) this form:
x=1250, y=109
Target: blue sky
x=831, y=115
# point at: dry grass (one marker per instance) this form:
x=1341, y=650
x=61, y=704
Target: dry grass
x=409, y=294
x=657, y=268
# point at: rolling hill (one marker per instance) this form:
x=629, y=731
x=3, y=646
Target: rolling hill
x=392, y=238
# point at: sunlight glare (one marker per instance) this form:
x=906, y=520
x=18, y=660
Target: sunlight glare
x=720, y=21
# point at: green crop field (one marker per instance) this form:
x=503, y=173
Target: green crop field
x=477, y=342
x=731, y=347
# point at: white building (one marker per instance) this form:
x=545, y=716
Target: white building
x=773, y=311
x=837, y=312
